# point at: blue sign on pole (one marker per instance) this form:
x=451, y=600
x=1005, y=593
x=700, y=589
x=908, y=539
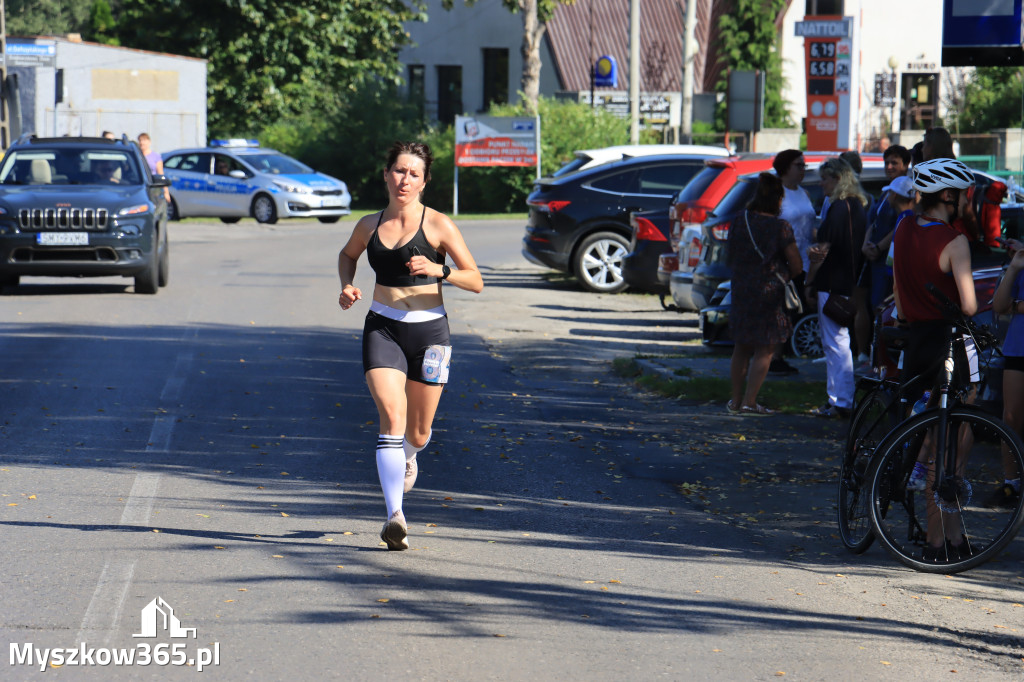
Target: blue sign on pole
x=982, y=33
x=606, y=72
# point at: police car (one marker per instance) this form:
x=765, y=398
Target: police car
x=234, y=179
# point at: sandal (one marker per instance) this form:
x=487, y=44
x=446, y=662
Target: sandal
x=831, y=412
x=756, y=410
x=731, y=409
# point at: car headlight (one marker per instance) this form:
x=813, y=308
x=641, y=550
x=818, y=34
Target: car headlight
x=134, y=210
x=292, y=187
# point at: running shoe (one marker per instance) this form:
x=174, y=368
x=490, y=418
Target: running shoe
x=1003, y=497
x=411, y=471
x=395, y=531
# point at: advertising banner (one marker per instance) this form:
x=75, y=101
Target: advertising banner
x=828, y=52
x=495, y=141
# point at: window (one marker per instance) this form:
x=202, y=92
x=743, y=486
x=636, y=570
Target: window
x=449, y=93
x=416, y=82
x=824, y=7
x=196, y=163
x=495, y=76
x=624, y=182
x=667, y=179
x=696, y=187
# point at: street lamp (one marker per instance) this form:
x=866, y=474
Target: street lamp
x=893, y=63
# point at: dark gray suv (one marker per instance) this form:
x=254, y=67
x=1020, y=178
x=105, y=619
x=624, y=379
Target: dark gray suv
x=82, y=207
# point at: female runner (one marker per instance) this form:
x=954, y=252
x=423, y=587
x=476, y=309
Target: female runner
x=406, y=345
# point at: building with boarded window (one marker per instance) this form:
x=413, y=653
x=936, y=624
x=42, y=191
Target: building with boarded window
x=70, y=87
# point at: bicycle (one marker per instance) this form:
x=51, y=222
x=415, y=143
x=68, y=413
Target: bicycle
x=883, y=405
x=973, y=450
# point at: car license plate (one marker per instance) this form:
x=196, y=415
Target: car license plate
x=63, y=238
x=330, y=202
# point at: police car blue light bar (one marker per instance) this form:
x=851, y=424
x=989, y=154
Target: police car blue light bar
x=235, y=142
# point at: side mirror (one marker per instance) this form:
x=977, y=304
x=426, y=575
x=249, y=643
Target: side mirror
x=238, y=174
x=161, y=181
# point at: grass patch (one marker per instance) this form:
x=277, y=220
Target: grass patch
x=788, y=397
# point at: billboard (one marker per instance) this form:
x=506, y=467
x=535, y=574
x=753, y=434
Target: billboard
x=828, y=51
x=495, y=141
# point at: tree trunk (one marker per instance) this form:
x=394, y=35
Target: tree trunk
x=533, y=33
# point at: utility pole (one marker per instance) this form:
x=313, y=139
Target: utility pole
x=689, y=54
x=5, y=113
x=634, y=71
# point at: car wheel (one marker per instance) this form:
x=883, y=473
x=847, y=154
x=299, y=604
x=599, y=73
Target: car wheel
x=164, y=263
x=172, y=211
x=230, y=221
x=264, y=210
x=329, y=218
x=148, y=281
x=806, y=339
x=598, y=262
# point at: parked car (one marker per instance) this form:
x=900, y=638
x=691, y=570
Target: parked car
x=588, y=158
x=688, y=210
x=579, y=223
x=82, y=207
x=649, y=241
x=712, y=270
x=235, y=179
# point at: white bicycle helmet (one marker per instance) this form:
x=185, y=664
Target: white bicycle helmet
x=939, y=174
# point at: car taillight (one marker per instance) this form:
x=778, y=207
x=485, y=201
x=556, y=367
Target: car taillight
x=721, y=231
x=694, y=215
x=548, y=206
x=672, y=212
x=645, y=229
x=668, y=262
x=695, y=249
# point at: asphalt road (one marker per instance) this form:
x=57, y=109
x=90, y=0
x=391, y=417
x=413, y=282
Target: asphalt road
x=212, y=446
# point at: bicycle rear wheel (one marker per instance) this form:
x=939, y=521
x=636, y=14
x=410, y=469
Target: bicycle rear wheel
x=979, y=442
x=871, y=421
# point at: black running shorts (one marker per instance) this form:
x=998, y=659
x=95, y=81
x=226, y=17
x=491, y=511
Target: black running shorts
x=401, y=345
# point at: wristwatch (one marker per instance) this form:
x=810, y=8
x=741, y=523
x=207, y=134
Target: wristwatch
x=445, y=271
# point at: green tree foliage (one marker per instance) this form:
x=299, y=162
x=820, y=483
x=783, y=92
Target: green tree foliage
x=102, y=27
x=749, y=40
x=992, y=99
x=276, y=59
x=47, y=17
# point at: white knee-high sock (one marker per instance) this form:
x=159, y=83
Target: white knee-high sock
x=391, y=470
x=411, y=451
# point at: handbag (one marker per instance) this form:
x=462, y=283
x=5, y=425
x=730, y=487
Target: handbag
x=791, y=298
x=840, y=310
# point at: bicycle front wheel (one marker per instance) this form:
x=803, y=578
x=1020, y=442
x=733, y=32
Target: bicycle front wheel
x=966, y=531
x=871, y=421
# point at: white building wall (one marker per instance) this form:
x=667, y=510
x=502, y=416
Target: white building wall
x=173, y=111
x=458, y=36
x=909, y=30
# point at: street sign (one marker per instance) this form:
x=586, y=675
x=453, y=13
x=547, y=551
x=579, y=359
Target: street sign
x=606, y=72
x=885, y=89
x=31, y=54
x=988, y=33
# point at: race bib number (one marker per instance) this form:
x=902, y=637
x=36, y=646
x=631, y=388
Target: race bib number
x=436, y=361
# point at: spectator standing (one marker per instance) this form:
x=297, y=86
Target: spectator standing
x=761, y=250
x=928, y=250
x=153, y=160
x=798, y=211
x=1009, y=299
x=835, y=260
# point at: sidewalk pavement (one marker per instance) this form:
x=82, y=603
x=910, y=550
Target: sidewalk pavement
x=702, y=362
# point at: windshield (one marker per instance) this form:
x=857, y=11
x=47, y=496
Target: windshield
x=695, y=188
x=276, y=164
x=41, y=166
x=737, y=198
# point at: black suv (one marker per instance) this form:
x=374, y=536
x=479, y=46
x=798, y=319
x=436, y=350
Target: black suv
x=579, y=222
x=82, y=207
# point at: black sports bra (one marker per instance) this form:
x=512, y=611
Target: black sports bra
x=389, y=264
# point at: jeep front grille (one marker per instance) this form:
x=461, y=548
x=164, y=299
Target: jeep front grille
x=63, y=219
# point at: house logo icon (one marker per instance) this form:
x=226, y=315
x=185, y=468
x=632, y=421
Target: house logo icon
x=158, y=616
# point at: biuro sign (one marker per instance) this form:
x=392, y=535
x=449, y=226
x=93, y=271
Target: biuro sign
x=827, y=50
x=495, y=141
